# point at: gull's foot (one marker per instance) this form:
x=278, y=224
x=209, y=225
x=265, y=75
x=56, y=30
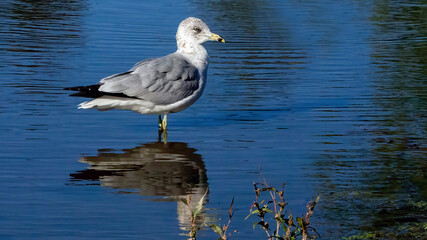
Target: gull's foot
x=163, y=129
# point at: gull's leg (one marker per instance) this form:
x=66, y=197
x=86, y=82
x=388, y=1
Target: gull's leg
x=163, y=131
x=165, y=123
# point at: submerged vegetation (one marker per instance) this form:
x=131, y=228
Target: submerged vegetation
x=402, y=226
x=414, y=231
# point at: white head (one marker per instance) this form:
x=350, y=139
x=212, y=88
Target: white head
x=193, y=32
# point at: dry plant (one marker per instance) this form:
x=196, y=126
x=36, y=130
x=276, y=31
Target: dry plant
x=272, y=215
x=194, y=213
x=222, y=232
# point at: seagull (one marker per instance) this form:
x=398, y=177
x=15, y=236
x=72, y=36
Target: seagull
x=159, y=86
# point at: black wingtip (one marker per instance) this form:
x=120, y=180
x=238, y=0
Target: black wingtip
x=91, y=91
x=84, y=88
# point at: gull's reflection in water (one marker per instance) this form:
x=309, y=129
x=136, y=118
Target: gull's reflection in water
x=172, y=170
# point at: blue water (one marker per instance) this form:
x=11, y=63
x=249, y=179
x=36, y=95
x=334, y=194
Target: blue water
x=329, y=97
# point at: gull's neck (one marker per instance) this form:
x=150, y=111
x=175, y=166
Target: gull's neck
x=196, y=53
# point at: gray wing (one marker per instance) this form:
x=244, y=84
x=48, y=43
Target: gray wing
x=161, y=81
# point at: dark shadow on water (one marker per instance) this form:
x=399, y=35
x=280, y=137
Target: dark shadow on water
x=168, y=170
x=381, y=183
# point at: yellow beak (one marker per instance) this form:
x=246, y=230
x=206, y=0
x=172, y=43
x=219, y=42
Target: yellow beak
x=216, y=37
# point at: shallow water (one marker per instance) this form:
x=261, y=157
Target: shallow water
x=328, y=96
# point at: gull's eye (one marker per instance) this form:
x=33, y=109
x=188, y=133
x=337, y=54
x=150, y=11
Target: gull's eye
x=197, y=30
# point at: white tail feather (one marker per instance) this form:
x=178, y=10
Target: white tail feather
x=111, y=102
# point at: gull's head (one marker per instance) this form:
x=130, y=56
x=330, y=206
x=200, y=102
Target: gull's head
x=193, y=31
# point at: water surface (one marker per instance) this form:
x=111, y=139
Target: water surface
x=328, y=96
